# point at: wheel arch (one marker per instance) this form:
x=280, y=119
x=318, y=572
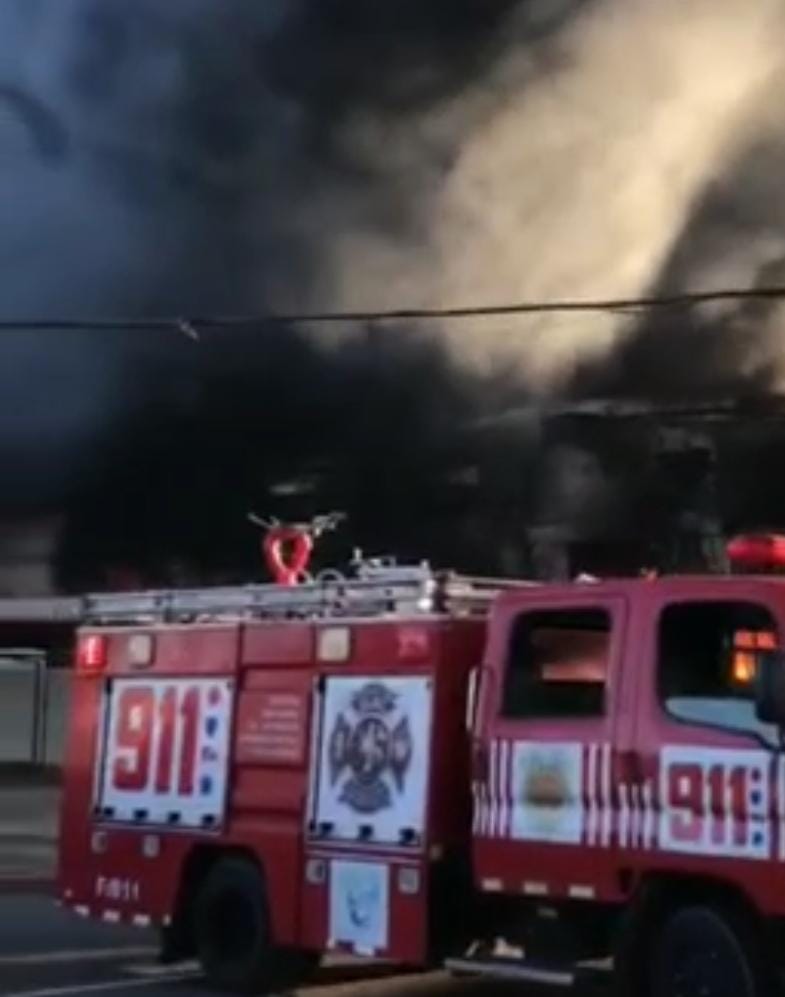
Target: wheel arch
x=655, y=897
x=178, y=936
x=657, y=894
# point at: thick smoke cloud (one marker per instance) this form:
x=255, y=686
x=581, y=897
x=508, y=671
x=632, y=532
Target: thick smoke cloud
x=198, y=156
x=203, y=157
x=733, y=236
x=569, y=164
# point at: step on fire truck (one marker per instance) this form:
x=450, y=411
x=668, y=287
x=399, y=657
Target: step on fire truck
x=515, y=780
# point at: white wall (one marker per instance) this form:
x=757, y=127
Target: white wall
x=57, y=714
x=17, y=713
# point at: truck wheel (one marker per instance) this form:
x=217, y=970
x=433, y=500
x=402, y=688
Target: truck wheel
x=233, y=935
x=703, y=952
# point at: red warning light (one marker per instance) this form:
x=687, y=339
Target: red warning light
x=757, y=552
x=92, y=654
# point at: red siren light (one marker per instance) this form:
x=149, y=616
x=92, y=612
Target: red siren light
x=92, y=654
x=757, y=552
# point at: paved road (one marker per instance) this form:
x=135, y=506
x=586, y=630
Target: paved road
x=46, y=952
x=28, y=831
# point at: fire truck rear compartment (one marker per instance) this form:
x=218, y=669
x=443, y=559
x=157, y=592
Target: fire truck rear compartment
x=147, y=861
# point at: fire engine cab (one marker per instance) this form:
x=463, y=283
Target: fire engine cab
x=518, y=780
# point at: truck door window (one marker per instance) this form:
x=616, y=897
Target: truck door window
x=708, y=655
x=558, y=664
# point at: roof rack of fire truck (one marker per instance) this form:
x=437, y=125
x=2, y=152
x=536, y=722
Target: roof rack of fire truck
x=376, y=589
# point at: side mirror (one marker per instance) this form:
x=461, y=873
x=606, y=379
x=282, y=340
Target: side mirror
x=770, y=688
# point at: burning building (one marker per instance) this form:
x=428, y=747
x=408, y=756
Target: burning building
x=206, y=158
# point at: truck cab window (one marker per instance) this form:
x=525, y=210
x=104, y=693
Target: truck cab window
x=708, y=653
x=558, y=664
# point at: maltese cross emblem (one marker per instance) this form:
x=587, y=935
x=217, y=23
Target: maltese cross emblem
x=371, y=750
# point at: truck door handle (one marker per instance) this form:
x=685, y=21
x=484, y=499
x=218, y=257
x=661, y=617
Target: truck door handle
x=479, y=760
x=632, y=767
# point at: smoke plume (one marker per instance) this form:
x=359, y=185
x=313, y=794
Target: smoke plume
x=198, y=156
x=574, y=163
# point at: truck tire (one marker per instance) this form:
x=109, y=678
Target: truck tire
x=707, y=952
x=233, y=934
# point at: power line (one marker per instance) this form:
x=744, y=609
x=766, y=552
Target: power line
x=192, y=324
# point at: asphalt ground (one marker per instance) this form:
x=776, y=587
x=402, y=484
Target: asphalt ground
x=28, y=832
x=48, y=952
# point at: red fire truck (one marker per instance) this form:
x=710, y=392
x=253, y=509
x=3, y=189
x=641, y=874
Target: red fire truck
x=514, y=780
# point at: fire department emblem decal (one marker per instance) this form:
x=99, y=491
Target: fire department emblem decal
x=367, y=748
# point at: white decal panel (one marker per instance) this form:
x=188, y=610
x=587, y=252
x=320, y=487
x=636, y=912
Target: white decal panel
x=359, y=906
x=715, y=802
x=547, y=792
x=373, y=759
x=166, y=752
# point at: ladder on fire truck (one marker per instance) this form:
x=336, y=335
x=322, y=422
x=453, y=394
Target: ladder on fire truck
x=375, y=588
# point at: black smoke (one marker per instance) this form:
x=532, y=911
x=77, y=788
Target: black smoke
x=193, y=158
x=204, y=157
x=724, y=359
x=734, y=237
